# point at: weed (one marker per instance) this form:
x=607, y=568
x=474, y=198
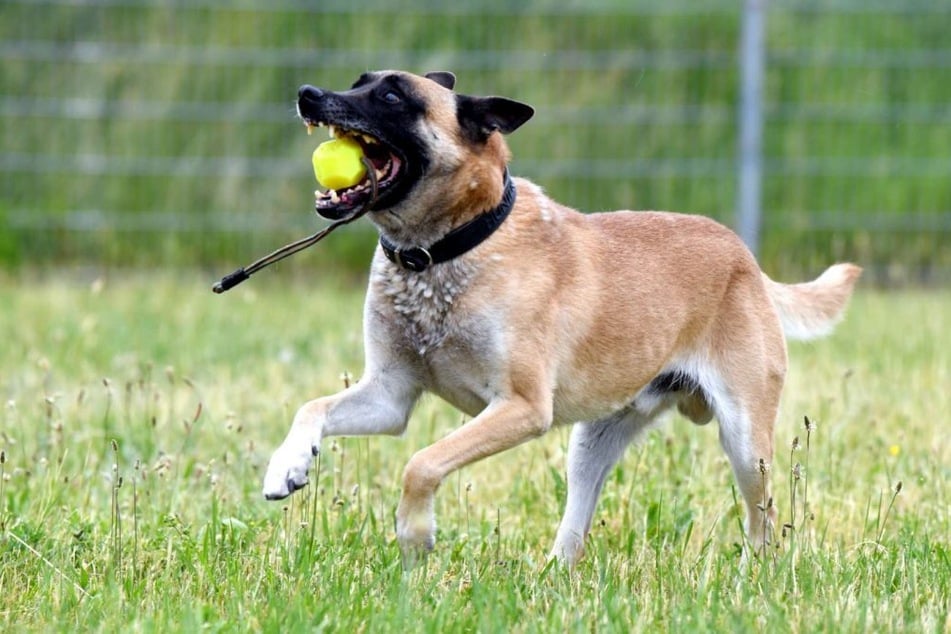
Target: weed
x=140, y=506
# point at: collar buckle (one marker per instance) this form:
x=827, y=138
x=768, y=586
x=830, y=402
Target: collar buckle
x=416, y=259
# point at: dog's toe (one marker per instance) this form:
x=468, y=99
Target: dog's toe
x=293, y=484
x=272, y=496
x=414, y=556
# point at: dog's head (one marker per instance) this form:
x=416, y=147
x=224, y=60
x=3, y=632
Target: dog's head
x=428, y=144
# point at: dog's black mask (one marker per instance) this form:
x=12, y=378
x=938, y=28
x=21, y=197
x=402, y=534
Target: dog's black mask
x=380, y=112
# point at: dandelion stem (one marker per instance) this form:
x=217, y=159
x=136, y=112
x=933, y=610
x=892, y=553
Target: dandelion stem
x=793, y=484
x=888, y=510
x=767, y=504
x=3, y=500
x=313, y=509
x=116, y=519
x=810, y=426
x=135, y=528
x=498, y=531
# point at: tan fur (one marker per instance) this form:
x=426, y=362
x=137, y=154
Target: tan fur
x=562, y=317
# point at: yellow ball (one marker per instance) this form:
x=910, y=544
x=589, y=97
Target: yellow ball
x=337, y=163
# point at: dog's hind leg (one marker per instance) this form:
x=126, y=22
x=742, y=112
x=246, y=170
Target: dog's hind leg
x=750, y=368
x=747, y=440
x=593, y=451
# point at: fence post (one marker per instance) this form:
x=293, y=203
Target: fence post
x=752, y=61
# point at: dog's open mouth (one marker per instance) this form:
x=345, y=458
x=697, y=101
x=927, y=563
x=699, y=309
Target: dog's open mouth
x=386, y=165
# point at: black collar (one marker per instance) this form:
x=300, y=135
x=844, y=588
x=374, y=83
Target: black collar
x=456, y=242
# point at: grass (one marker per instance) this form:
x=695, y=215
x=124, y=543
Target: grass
x=139, y=411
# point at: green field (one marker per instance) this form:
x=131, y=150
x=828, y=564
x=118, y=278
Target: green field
x=139, y=412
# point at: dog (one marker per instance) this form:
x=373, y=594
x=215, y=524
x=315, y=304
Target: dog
x=525, y=314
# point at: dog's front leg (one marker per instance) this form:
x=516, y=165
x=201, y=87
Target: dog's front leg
x=502, y=425
x=379, y=404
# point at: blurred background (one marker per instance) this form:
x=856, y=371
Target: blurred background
x=161, y=133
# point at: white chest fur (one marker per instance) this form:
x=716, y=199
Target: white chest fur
x=421, y=303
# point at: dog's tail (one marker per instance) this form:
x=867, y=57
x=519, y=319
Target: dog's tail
x=812, y=309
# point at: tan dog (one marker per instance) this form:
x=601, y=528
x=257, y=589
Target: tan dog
x=529, y=315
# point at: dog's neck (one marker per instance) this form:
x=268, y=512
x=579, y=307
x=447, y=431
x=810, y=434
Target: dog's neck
x=457, y=241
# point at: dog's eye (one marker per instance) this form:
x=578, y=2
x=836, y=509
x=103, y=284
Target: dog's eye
x=391, y=98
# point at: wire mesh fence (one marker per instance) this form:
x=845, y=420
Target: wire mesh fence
x=150, y=131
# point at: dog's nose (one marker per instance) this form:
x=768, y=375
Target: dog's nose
x=309, y=93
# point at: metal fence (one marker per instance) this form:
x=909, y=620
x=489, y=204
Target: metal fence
x=819, y=128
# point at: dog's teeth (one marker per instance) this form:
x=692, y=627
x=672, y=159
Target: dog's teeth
x=369, y=140
x=310, y=128
x=379, y=174
x=332, y=130
x=334, y=198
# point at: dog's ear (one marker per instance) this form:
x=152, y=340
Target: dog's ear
x=443, y=78
x=479, y=117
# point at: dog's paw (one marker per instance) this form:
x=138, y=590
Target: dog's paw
x=286, y=472
x=414, y=556
x=568, y=548
x=417, y=538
